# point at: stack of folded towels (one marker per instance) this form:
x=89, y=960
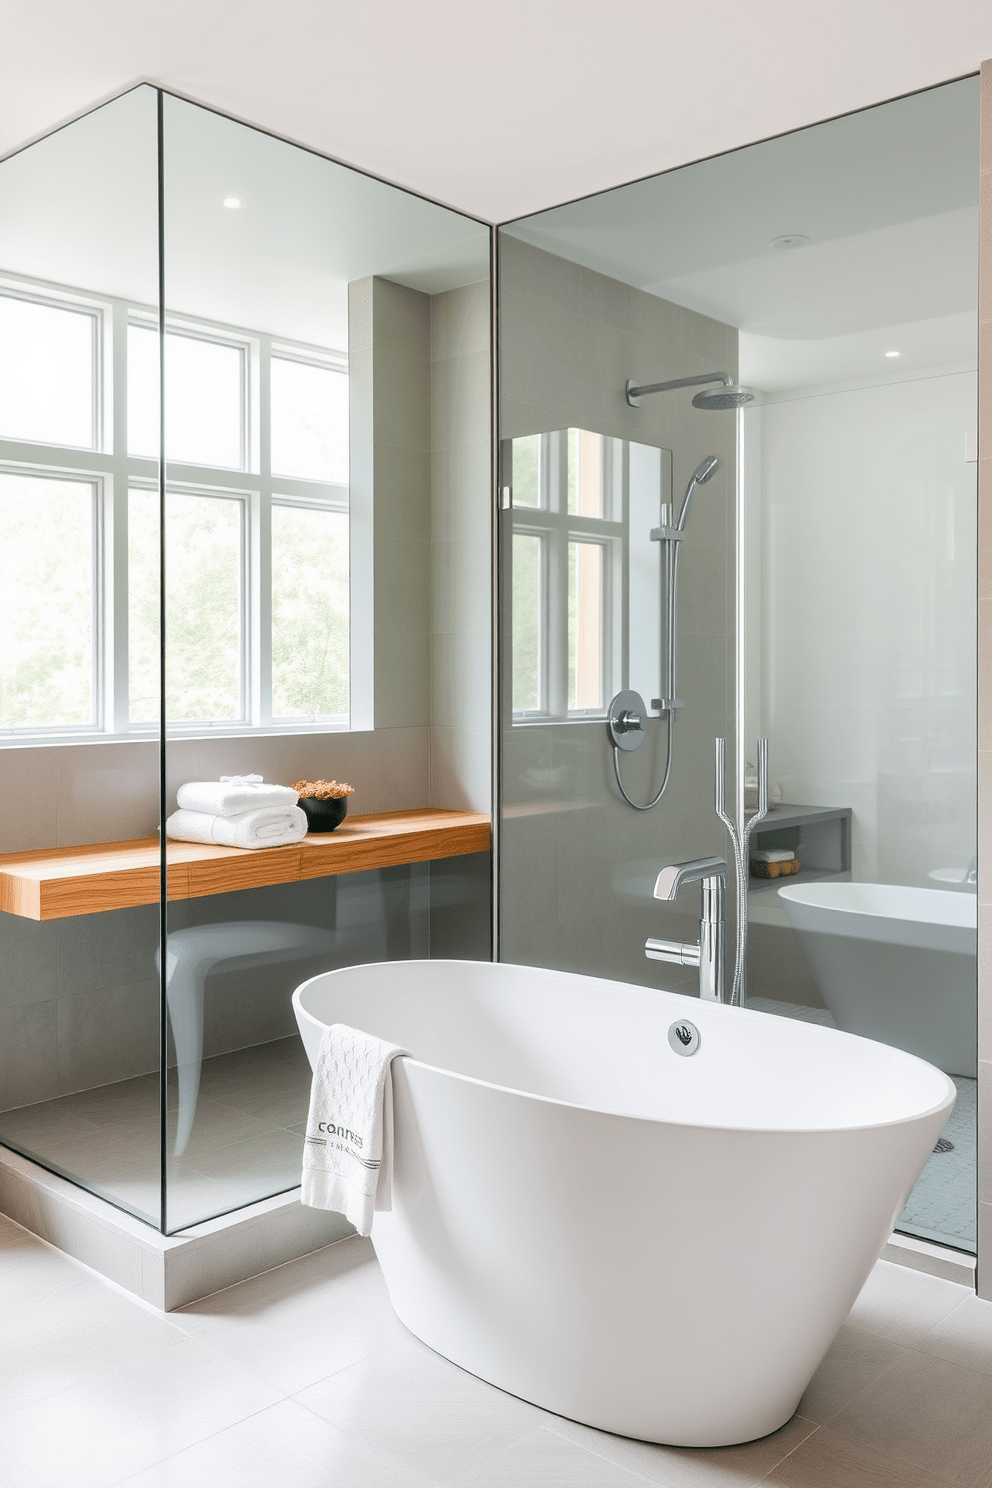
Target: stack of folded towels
x=237, y=811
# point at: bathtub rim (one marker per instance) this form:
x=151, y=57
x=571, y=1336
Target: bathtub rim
x=644, y=993
x=804, y=894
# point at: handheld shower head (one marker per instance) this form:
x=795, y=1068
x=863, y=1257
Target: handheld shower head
x=703, y=472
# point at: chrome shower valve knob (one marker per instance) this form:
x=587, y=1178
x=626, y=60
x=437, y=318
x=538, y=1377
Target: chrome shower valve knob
x=625, y=720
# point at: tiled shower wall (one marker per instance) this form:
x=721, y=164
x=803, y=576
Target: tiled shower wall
x=985, y=702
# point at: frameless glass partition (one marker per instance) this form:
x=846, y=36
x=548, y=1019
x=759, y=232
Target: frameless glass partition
x=319, y=379
x=79, y=654
x=592, y=551
x=821, y=290
x=861, y=558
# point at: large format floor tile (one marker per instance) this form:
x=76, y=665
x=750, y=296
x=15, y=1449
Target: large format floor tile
x=420, y=1411
x=303, y=1376
x=302, y=1322
x=284, y=1444
x=120, y=1421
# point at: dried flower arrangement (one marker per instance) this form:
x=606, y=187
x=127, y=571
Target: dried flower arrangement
x=322, y=790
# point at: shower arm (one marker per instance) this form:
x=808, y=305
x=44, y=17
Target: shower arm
x=740, y=838
x=635, y=393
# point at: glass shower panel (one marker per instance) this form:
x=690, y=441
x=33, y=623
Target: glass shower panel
x=336, y=314
x=79, y=756
x=861, y=611
x=588, y=594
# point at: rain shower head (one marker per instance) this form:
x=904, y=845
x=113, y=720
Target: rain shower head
x=728, y=396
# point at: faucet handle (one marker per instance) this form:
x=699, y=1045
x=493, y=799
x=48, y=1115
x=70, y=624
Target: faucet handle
x=693, y=870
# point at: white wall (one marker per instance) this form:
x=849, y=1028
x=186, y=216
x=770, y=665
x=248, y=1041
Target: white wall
x=863, y=555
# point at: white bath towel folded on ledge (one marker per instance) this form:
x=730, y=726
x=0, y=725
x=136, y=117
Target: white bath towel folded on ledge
x=272, y=826
x=232, y=794
x=348, y=1153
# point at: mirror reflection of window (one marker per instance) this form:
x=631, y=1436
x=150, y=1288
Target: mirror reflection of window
x=48, y=372
x=527, y=627
x=204, y=543
x=205, y=397
x=526, y=470
x=586, y=571
x=309, y=420
x=585, y=472
x=309, y=612
x=586, y=577
x=48, y=672
x=257, y=445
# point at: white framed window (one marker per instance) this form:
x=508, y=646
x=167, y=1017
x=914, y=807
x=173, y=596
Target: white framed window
x=256, y=515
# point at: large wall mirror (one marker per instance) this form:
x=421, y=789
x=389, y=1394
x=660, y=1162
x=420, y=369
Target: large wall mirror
x=824, y=287
x=323, y=526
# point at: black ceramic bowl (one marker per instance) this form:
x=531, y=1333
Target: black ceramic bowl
x=324, y=816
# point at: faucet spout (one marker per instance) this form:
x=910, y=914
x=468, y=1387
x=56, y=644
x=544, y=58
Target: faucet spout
x=708, y=954
x=694, y=870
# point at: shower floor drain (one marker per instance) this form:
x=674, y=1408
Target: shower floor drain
x=944, y=1146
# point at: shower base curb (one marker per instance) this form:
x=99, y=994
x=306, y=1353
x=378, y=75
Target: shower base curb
x=167, y=1271
x=935, y=1260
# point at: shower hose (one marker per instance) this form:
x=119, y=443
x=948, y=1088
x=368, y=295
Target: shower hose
x=664, y=784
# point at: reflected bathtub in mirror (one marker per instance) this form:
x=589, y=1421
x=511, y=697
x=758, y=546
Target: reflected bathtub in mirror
x=895, y=963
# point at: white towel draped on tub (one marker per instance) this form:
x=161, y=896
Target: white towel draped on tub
x=348, y=1154
x=272, y=826
x=231, y=794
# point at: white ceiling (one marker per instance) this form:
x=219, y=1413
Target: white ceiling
x=496, y=110
x=499, y=112
x=280, y=263
x=887, y=200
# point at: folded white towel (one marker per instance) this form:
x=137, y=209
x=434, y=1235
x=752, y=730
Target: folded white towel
x=271, y=826
x=348, y=1155
x=232, y=794
x=772, y=854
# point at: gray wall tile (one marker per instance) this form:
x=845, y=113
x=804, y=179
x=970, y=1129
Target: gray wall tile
x=107, y=1035
x=29, y=781
x=28, y=960
x=460, y=321
x=28, y=1054
x=107, y=950
x=107, y=792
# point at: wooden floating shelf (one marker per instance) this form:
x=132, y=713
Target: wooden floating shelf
x=58, y=882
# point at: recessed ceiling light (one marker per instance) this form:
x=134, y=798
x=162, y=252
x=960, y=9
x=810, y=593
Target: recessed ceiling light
x=789, y=240
x=893, y=353
x=233, y=202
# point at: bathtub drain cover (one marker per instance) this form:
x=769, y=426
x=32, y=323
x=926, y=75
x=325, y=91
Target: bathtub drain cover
x=944, y=1146
x=684, y=1037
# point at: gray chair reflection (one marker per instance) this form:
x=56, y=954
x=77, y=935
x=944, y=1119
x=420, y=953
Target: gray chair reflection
x=192, y=956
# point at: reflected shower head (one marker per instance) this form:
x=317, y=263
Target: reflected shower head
x=728, y=396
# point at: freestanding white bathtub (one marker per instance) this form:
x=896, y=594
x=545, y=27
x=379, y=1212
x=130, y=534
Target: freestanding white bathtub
x=659, y=1246
x=895, y=963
